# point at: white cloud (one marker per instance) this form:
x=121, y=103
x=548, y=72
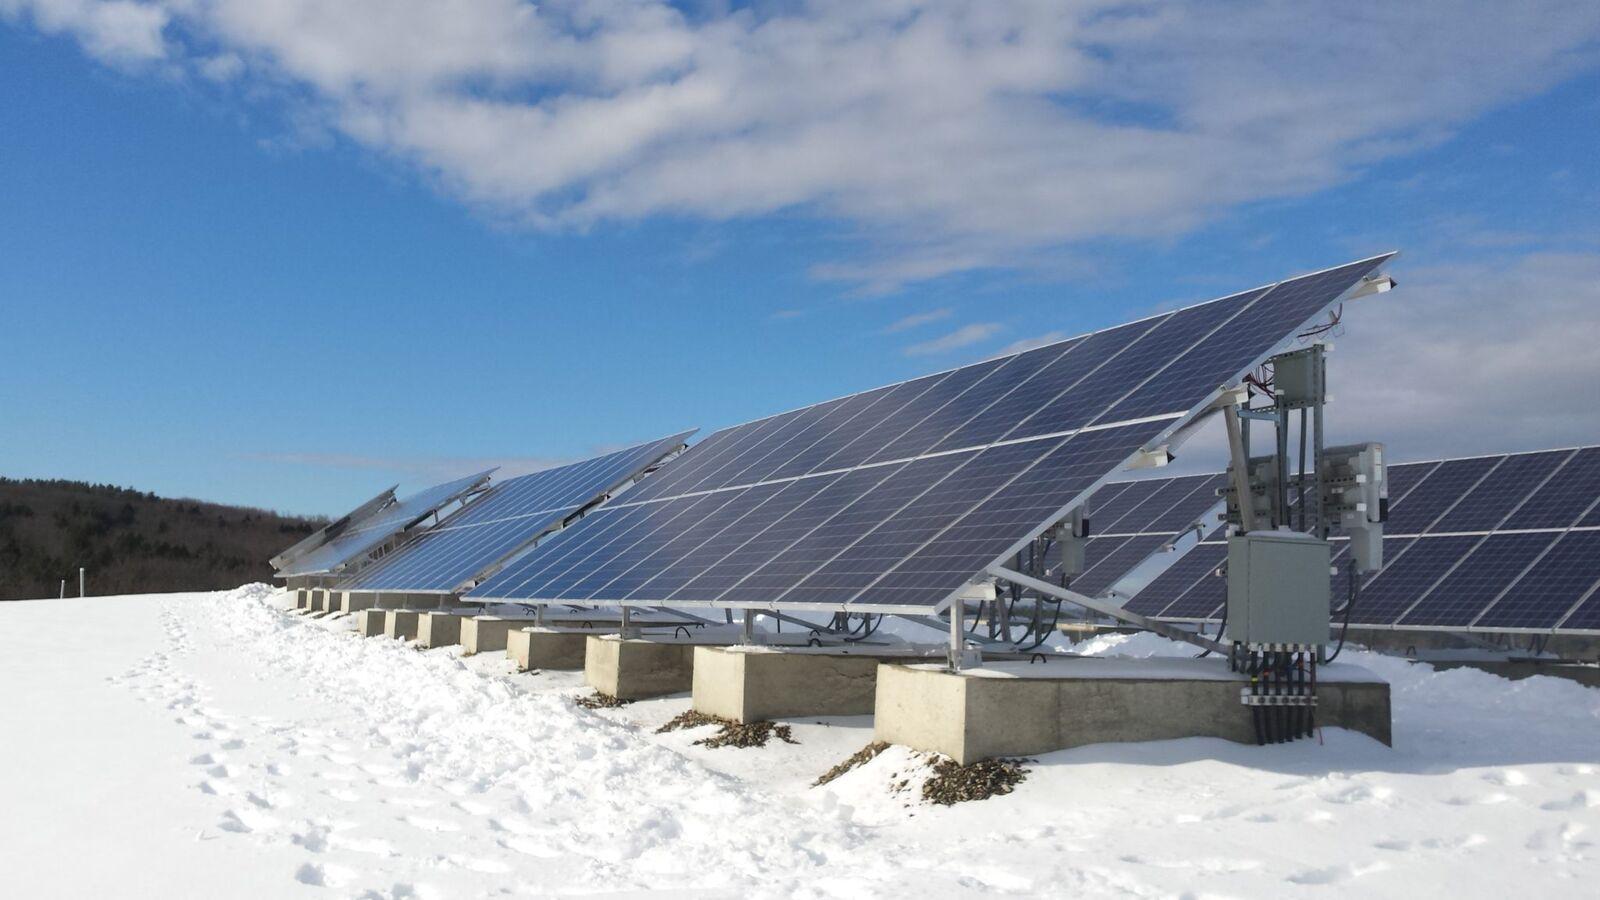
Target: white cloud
x=916, y=320
x=1033, y=343
x=965, y=336
x=115, y=31
x=948, y=134
x=1491, y=356
x=1488, y=356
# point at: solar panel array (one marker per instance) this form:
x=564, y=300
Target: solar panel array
x=1491, y=543
x=505, y=519
x=367, y=535
x=894, y=499
x=333, y=529
x=1130, y=520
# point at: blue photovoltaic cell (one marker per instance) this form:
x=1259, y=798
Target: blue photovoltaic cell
x=1193, y=508
x=1402, y=478
x=1083, y=403
x=1177, y=579
x=1586, y=617
x=1513, y=480
x=1448, y=483
x=1205, y=595
x=996, y=383
x=1000, y=417
x=1112, y=501
x=1543, y=596
x=1489, y=569
x=1199, y=371
x=1112, y=566
x=371, y=533
x=1563, y=499
x=1181, y=499
x=1406, y=576
x=503, y=520
x=871, y=521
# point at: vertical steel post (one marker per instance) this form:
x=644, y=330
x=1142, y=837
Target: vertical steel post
x=80, y=581
x=957, y=633
x=1241, y=463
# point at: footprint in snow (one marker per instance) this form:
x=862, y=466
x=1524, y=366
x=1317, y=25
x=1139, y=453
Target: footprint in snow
x=436, y=825
x=321, y=875
x=1336, y=874
x=1585, y=799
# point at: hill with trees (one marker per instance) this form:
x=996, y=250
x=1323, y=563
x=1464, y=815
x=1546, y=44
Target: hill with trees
x=131, y=542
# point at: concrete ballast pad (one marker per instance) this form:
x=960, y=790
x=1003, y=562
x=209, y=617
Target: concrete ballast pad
x=481, y=634
x=439, y=629
x=400, y=623
x=351, y=602
x=371, y=622
x=637, y=669
x=540, y=648
x=984, y=713
x=747, y=685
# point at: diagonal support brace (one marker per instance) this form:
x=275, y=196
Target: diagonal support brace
x=1105, y=607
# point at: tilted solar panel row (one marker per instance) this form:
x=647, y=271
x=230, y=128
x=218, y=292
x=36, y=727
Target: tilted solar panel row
x=363, y=537
x=1495, y=543
x=1132, y=520
x=894, y=499
x=504, y=520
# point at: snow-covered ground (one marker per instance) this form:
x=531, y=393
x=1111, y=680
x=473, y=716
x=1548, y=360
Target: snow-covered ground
x=205, y=745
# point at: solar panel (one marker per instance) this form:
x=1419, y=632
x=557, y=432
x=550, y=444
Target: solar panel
x=1437, y=494
x=1491, y=567
x=371, y=533
x=1190, y=589
x=1543, y=597
x=897, y=498
x=1133, y=520
x=1495, y=543
x=504, y=520
x=333, y=529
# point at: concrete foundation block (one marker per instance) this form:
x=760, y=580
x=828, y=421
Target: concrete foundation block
x=1006, y=710
x=371, y=622
x=352, y=602
x=439, y=629
x=756, y=684
x=480, y=634
x=547, y=648
x=636, y=669
x=400, y=623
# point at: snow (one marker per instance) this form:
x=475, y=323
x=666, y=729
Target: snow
x=202, y=745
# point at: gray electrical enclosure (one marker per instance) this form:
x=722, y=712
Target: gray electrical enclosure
x=1277, y=588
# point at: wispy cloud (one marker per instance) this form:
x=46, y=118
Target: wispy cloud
x=1032, y=343
x=965, y=336
x=415, y=470
x=917, y=319
x=943, y=136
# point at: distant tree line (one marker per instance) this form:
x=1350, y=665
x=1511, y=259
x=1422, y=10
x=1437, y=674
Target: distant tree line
x=131, y=542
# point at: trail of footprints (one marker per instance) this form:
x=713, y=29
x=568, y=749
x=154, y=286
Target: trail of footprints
x=228, y=766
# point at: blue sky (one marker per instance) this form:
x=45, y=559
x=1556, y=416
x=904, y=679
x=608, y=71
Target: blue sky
x=228, y=272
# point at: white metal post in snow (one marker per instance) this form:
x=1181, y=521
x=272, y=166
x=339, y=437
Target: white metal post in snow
x=80, y=581
x=63, y=589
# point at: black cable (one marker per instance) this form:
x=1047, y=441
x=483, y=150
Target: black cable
x=1043, y=635
x=1221, y=627
x=1355, y=591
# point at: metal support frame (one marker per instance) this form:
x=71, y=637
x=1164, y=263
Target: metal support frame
x=1107, y=608
x=1239, y=451
x=958, y=637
